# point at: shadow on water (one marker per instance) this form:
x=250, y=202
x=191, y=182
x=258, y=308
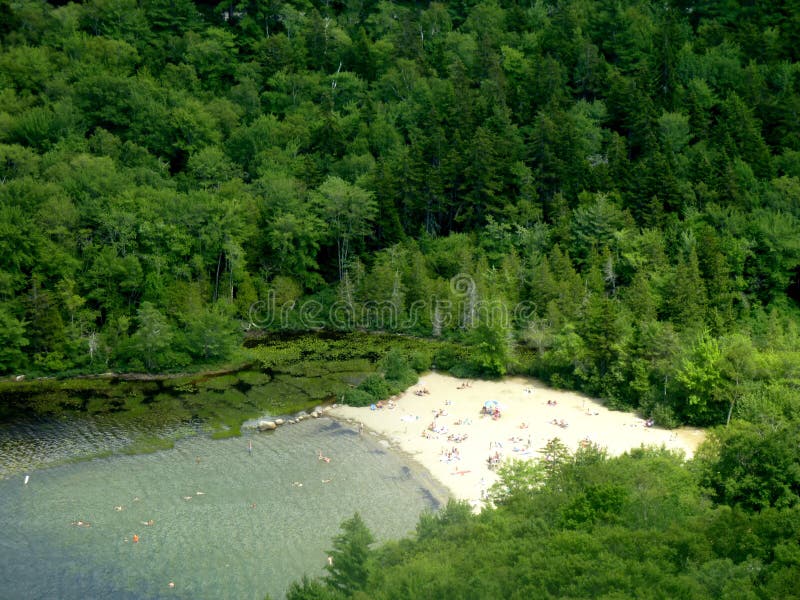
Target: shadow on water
x=432, y=501
x=405, y=473
x=336, y=428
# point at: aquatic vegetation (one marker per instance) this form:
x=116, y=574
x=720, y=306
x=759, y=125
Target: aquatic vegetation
x=145, y=444
x=297, y=373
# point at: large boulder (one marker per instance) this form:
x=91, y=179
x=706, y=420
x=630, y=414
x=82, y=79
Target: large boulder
x=279, y=421
x=267, y=425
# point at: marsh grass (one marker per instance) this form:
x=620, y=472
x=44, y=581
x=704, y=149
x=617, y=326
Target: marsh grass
x=292, y=373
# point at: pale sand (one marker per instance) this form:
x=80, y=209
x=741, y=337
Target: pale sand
x=521, y=400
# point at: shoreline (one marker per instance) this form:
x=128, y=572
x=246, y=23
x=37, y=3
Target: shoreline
x=531, y=414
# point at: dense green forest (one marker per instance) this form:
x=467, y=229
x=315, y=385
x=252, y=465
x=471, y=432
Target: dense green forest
x=602, y=194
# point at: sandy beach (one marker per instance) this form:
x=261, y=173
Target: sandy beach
x=531, y=414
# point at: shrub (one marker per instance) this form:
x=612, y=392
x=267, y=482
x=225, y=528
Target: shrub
x=376, y=386
x=357, y=397
x=664, y=416
x=421, y=361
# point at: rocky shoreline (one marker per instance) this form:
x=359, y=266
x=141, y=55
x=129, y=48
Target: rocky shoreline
x=263, y=425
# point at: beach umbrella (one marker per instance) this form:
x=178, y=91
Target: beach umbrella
x=490, y=403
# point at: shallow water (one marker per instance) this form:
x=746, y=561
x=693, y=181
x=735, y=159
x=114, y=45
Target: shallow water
x=226, y=523
x=32, y=444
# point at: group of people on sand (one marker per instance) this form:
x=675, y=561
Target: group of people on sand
x=436, y=428
x=492, y=411
x=560, y=422
x=391, y=405
x=422, y=391
x=464, y=385
x=449, y=455
x=494, y=460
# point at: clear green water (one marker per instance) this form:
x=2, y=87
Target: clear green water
x=252, y=531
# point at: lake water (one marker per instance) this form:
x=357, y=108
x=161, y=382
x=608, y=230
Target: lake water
x=226, y=523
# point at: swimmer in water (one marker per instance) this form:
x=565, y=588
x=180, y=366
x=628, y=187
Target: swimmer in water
x=150, y=522
x=187, y=498
x=200, y=493
x=119, y=508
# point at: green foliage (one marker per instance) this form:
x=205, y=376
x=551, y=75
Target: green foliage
x=700, y=377
x=12, y=341
x=396, y=376
x=347, y=571
x=579, y=525
x=489, y=351
x=613, y=187
x=611, y=182
x=753, y=465
x=312, y=589
x=152, y=341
